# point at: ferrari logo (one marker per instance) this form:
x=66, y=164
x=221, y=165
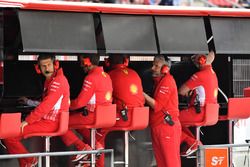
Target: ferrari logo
x=104, y=74
x=125, y=71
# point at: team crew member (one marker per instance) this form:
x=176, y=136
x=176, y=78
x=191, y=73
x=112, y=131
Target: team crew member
x=203, y=85
x=96, y=90
x=164, y=121
x=127, y=89
x=127, y=94
x=45, y=117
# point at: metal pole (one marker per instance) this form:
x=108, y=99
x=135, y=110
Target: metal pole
x=64, y=153
x=230, y=134
x=112, y=159
x=47, y=149
x=93, y=131
x=126, y=141
x=40, y=161
x=198, y=139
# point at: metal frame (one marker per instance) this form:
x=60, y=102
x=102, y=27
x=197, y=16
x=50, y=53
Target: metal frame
x=198, y=136
x=66, y=153
x=93, y=142
x=47, y=149
x=126, y=151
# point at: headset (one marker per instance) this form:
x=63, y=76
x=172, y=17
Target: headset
x=106, y=62
x=56, y=66
x=86, y=61
x=202, y=59
x=164, y=69
x=125, y=61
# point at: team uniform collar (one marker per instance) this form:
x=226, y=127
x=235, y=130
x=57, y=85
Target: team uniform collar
x=206, y=67
x=118, y=66
x=96, y=69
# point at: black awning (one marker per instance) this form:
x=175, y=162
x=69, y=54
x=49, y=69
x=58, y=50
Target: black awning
x=1, y=35
x=231, y=35
x=60, y=32
x=129, y=34
x=181, y=35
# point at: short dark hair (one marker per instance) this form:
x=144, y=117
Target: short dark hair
x=94, y=58
x=117, y=58
x=44, y=56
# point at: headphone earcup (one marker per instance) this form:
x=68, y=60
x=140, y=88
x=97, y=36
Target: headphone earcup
x=106, y=62
x=86, y=61
x=164, y=69
x=56, y=65
x=37, y=68
x=126, y=61
x=202, y=59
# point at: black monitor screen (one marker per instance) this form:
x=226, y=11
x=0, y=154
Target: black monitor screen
x=20, y=79
x=1, y=34
x=129, y=34
x=181, y=35
x=60, y=32
x=231, y=35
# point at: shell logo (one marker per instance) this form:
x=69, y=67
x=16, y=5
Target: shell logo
x=108, y=96
x=133, y=89
x=215, y=92
x=104, y=74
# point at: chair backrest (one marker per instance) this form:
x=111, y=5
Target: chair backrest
x=140, y=118
x=62, y=129
x=105, y=116
x=238, y=108
x=10, y=125
x=246, y=92
x=211, y=114
x=63, y=123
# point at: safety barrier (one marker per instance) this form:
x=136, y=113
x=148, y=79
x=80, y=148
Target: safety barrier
x=66, y=153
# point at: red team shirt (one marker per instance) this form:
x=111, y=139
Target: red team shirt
x=96, y=90
x=166, y=99
x=205, y=84
x=127, y=88
x=55, y=99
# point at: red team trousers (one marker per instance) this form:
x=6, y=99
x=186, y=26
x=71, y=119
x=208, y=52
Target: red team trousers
x=15, y=146
x=166, y=144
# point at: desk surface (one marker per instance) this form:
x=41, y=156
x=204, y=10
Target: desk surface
x=10, y=105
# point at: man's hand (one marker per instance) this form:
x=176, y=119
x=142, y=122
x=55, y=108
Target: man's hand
x=210, y=57
x=149, y=100
x=23, y=124
x=184, y=90
x=23, y=100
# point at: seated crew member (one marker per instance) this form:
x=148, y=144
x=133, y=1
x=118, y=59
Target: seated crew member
x=127, y=89
x=203, y=85
x=127, y=94
x=164, y=122
x=45, y=117
x=96, y=90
